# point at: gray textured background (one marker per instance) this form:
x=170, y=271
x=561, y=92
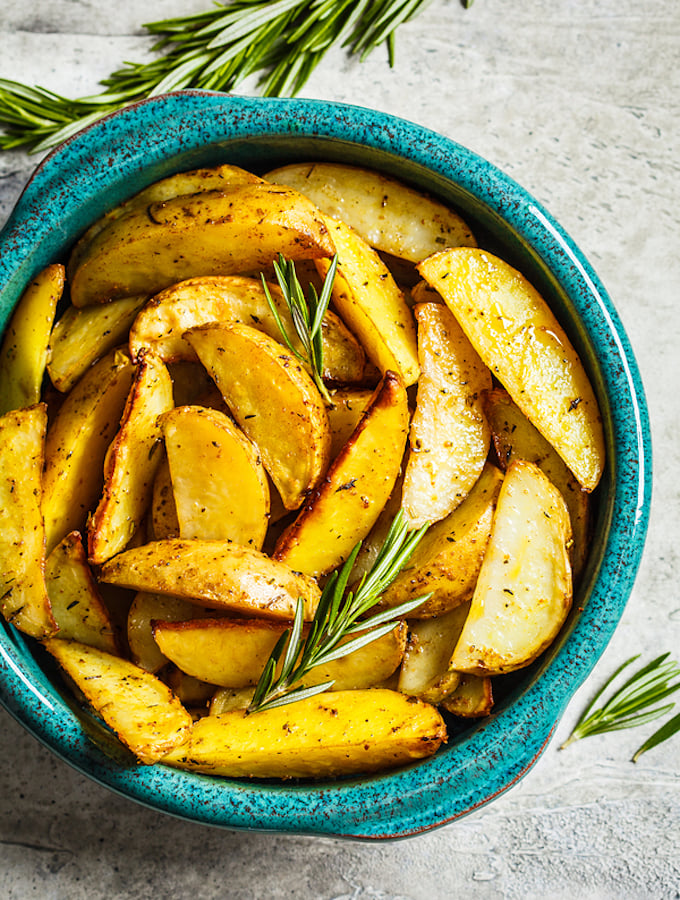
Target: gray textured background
x=578, y=101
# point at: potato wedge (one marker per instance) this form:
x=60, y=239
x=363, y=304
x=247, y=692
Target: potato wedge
x=216, y=574
x=514, y=437
x=163, y=514
x=77, y=605
x=191, y=692
x=233, y=652
x=142, y=711
x=274, y=401
x=232, y=299
x=345, y=506
x=131, y=463
x=450, y=437
x=471, y=699
x=524, y=589
x=228, y=699
x=388, y=214
x=77, y=441
x=23, y=355
x=518, y=337
x=447, y=561
x=370, y=303
x=425, y=671
x=146, y=608
x=180, y=185
x=344, y=415
x=23, y=597
x=239, y=228
x=219, y=484
x=331, y=734
x=83, y=336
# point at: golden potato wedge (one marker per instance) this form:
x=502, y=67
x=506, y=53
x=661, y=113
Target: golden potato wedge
x=163, y=514
x=83, y=336
x=180, y=185
x=23, y=355
x=77, y=441
x=471, y=699
x=518, y=337
x=227, y=699
x=131, y=462
x=514, y=437
x=233, y=652
x=328, y=735
x=216, y=574
x=425, y=671
x=142, y=711
x=388, y=214
x=239, y=228
x=77, y=605
x=274, y=401
x=447, y=560
x=219, y=484
x=450, y=437
x=232, y=299
x=524, y=589
x=370, y=303
x=191, y=692
x=345, y=506
x=344, y=414
x=146, y=608
x=23, y=597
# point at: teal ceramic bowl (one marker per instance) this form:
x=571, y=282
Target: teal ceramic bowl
x=128, y=150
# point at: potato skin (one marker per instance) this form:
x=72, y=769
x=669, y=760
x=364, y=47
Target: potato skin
x=326, y=736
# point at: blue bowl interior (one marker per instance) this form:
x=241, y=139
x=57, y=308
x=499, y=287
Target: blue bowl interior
x=82, y=179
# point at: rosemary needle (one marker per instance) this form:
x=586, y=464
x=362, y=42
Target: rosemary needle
x=634, y=703
x=338, y=627
x=214, y=50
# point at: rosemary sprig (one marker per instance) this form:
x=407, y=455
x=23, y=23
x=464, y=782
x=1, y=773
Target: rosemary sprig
x=307, y=314
x=213, y=50
x=634, y=703
x=338, y=617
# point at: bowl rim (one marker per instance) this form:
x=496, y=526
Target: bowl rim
x=492, y=756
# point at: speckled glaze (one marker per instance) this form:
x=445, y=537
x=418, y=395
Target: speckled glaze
x=128, y=150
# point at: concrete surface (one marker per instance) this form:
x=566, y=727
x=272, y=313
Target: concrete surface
x=578, y=101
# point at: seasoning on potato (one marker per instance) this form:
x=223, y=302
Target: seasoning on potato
x=226, y=445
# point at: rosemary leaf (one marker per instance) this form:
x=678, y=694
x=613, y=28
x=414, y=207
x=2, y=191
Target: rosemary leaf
x=213, y=50
x=671, y=727
x=633, y=703
x=338, y=616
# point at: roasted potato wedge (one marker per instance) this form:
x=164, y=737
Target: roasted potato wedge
x=233, y=299
x=146, y=608
x=370, y=303
x=76, y=603
x=274, y=401
x=450, y=437
x=447, y=560
x=344, y=415
x=331, y=734
x=388, y=215
x=131, y=462
x=216, y=574
x=239, y=228
x=518, y=337
x=24, y=601
x=142, y=711
x=83, y=336
x=77, y=441
x=233, y=652
x=425, y=671
x=524, y=589
x=345, y=506
x=163, y=521
x=472, y=698
x=228, y=699
x=219, y=484
x=514, y=437
x=24, y=354
x=180, y=185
